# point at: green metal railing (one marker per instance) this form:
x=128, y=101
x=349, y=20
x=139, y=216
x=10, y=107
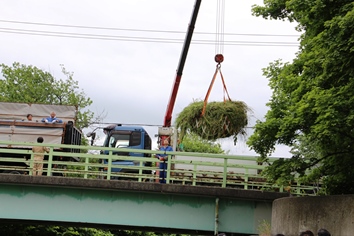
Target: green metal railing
x=225, y=171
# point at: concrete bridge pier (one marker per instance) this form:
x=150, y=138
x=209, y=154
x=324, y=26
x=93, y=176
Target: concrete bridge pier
x=291, y=215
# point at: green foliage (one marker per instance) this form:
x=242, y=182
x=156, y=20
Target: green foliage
x=47, y=230
x=74, y=168
x=22, y=83
x=264, y=228
x=194, y=143
x=312, y=105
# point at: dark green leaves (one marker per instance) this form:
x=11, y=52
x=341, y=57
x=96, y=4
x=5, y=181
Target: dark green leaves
x=312, y=105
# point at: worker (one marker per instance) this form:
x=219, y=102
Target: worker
x=29, y=117
x=163, y=158
x=38, y=157
x=52, y=118
x=307, y=233
x=323, y=232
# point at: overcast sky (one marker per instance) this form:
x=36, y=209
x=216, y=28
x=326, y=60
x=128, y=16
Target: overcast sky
x=125, y=53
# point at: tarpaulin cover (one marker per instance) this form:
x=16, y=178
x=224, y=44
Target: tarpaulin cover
x=19, y=111
x=15, y=127
x=30, y=134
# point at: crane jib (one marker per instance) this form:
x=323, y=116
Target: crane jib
x=182, y=60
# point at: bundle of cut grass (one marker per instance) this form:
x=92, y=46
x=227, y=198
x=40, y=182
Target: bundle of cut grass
x=221, y=119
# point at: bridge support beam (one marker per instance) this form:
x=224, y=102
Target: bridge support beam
x=133, y=205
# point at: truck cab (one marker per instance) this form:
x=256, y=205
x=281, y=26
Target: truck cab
x=134, y=137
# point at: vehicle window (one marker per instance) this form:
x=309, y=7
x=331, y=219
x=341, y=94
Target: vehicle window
x=112, y=142
x=119, y=140
x=122, y=143
x=136, y=139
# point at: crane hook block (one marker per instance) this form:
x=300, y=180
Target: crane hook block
x=219, y=58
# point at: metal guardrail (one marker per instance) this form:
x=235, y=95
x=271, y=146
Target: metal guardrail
x=219, y=170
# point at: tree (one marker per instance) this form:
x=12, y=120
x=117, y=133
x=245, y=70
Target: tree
x=312, y=104
x=193, y=143
x=48, y=230
x=29, y=84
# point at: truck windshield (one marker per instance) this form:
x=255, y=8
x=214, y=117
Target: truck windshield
x=119, y=140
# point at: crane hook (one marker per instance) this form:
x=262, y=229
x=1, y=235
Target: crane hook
x=219, y=58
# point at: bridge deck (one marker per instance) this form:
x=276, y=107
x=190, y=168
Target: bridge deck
x=206, y=191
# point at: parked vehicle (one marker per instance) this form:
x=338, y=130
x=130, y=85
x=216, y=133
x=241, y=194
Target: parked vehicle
x=15, y=127
x=134, y=137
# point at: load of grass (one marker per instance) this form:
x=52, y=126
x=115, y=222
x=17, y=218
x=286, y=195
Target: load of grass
x=221, y=120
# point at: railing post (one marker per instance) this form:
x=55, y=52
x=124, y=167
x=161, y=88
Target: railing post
x=140, y=170
x=30, y=172
x=109, y=168
x=194, y=183
x=50, y=161
x=168, y=174
x=224, y=176
x=298, y=189
x=86, y=167
x=246, y=179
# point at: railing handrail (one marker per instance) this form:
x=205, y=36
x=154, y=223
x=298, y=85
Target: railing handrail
x=192, y=154
x=199, y=168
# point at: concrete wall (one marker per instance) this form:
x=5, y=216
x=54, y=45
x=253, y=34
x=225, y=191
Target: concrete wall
x=292, y=215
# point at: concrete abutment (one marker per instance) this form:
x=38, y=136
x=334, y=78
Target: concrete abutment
x=292, y=215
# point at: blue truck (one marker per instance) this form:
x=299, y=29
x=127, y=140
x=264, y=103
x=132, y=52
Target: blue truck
x=134, y=137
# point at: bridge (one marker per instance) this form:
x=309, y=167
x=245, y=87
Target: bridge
x=204, y=194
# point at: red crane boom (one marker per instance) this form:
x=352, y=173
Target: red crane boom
x=182, y=60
